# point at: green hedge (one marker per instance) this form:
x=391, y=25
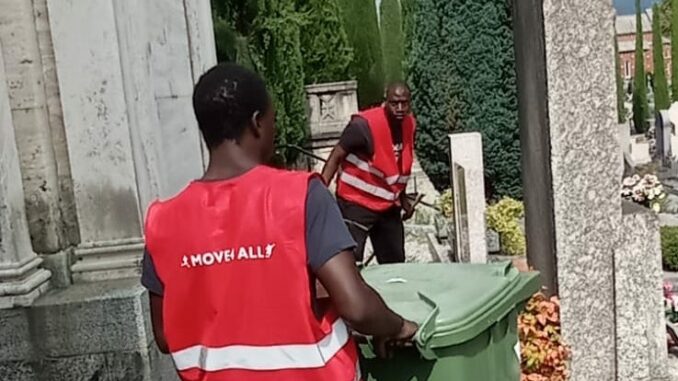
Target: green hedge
x=669, y=236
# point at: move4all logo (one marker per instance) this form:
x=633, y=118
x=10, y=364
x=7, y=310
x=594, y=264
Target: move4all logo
x=218, y=257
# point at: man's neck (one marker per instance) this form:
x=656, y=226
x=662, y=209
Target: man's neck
x=228, y=161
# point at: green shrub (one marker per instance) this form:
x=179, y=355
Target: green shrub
x=446, y=203
x=503, y=218
x=669, y=236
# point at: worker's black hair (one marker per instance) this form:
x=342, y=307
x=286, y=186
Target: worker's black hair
x=224, y=101
x=396, y=84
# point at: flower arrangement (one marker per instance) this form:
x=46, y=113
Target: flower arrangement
x=646, y=191
x=670, y=304
x=544, y=356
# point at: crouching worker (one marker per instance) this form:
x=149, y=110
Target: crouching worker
x=231, y=262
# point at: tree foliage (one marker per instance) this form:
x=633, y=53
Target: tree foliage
x=408, y=10
x=640, y=106
x=462, y=72
x=674, y=50
x=361, y=24
x=325, y=49
x=392, y=39
x=276, y=41
x=661, y=91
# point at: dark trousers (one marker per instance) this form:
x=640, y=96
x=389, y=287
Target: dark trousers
x=385, y=230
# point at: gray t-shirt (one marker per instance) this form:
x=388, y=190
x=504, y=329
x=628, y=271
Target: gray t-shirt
x=326, y=235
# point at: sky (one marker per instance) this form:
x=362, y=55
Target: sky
x=625, y=7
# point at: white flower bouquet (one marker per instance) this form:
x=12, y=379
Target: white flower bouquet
x=646, y=190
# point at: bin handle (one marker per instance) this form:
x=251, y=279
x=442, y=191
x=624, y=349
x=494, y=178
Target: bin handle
x=428, y=326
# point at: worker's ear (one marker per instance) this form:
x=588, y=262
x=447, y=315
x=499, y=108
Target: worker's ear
x=254, y=124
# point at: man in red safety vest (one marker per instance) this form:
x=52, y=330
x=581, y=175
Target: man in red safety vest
x=374, y=158
x=232, y=261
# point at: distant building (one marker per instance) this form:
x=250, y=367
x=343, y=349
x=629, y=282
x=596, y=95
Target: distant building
x=626, y=40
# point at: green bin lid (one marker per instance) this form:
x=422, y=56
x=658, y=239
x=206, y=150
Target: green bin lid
x=452, y=303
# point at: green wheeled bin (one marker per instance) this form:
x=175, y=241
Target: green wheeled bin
x=467, y=316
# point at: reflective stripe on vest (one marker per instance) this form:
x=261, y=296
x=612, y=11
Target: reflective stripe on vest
x=266, y=358
x=367, y=167
x=367, y=188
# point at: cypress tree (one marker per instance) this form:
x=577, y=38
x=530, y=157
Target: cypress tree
x=621, y=95
x=392, y=39
x=462, y=70
x=325, y=49
x=661, y=91
x=640, y=106
x=408, y=10
x=276, y=39
x=360, y=22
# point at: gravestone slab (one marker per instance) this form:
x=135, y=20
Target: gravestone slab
x=466, y=151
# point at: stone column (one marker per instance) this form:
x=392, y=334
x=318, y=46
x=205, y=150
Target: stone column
x=21, y=281
x=142, y=111
x=173, y=73
x=88, y=65
x=586, y=176
x=24, y=76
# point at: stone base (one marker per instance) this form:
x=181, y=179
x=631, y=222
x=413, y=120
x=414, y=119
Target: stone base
x=96, y=331
x=20, y=287
x=108, y=260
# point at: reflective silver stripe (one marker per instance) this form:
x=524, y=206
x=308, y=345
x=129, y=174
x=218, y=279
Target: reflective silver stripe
x=363, y=165
x=367, y=167
x=274, y=357
x=367, y=188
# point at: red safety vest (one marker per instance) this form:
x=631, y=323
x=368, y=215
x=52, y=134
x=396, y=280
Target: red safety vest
x=376, y=183
x=236, y=306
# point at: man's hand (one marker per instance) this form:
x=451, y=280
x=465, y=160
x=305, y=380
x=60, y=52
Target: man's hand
x=384, y=346
x=407, y=206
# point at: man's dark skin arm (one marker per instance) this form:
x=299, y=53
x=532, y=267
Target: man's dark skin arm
x=358, y=304
x=156, y=319
x=332, y=165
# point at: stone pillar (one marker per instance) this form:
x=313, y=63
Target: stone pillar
x=468, y=179
x=173, y=73
x=142, y=111
x=86, y=46
x=21, y=281
x=586, y=177
x=639, y=304
x=24, y=76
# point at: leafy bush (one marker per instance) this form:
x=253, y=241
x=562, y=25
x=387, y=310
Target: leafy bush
x=544, y=356
x=446, y=203
x=669, y=235
x=503, y=217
